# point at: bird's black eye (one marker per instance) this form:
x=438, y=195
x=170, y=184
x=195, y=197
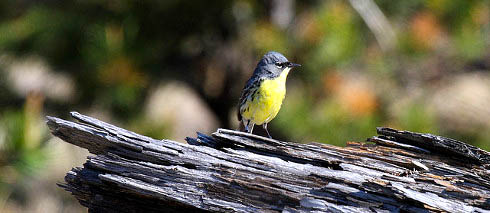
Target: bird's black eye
x=279, y=65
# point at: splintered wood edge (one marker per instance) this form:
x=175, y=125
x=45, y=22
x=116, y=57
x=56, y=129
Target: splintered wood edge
x=437, y=144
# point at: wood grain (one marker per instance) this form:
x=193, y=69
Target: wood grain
x=232, y=171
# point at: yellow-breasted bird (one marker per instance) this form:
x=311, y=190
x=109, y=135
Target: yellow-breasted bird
x=264, y=92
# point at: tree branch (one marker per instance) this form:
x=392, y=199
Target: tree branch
x=236, y=171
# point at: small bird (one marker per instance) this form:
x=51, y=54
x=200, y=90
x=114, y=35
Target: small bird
x=264, y=92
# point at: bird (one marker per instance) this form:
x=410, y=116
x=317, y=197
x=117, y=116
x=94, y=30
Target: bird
x=264, y=92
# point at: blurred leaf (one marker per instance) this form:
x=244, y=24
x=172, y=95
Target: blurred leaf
x=22, y=150
x=471, y=41
x=267, y=37
x=341, y=40
x=417, y=118
x=425, y=30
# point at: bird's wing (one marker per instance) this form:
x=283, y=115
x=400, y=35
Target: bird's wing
x=250, y=88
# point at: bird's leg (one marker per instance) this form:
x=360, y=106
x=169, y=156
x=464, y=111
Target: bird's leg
x=265, y=127
x=246, y=125
x=249, y=127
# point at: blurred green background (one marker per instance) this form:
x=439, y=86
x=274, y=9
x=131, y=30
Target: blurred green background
x=170, y=68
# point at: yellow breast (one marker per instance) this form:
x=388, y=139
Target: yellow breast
x=268, y=100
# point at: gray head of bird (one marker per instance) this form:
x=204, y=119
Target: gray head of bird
x=272, y=65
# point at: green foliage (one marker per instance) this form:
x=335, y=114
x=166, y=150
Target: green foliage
x=21, y=147
x=328, y=121
x=471, y=42
x=417, y=118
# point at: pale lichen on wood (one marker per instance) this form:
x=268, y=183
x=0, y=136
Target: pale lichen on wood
x=239, y=172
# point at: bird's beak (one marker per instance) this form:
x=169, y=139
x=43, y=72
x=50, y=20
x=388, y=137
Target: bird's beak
x=293, y=65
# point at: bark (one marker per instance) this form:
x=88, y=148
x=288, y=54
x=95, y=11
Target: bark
x=232, y=171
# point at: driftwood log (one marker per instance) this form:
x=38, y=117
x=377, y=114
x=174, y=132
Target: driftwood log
x=230, y=171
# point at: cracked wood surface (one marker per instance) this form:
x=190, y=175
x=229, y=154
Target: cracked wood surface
x=232, y=171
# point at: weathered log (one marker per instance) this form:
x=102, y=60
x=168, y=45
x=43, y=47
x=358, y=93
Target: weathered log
x=240, y=172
